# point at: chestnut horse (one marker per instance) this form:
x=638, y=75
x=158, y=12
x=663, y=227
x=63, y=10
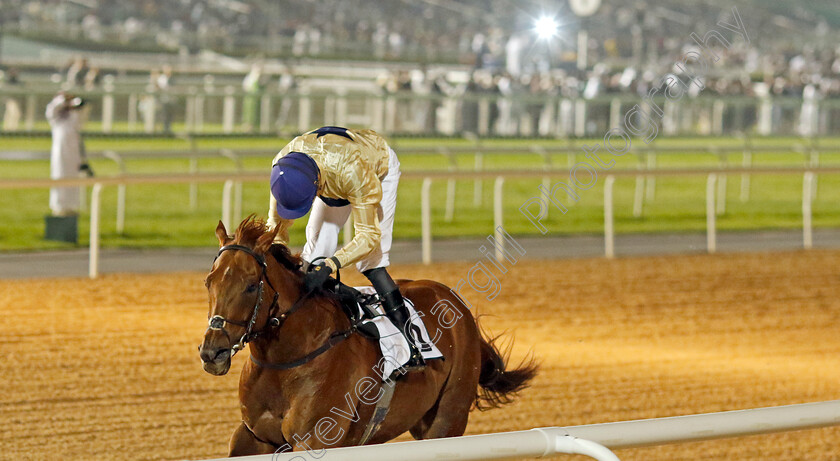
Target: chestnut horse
x=310, y=386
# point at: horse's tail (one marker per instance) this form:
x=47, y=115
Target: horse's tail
x=499, y=385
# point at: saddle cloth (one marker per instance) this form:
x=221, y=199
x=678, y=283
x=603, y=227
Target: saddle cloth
x=392, y=343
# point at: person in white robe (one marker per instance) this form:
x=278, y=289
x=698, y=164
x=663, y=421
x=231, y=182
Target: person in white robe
x=67, y=157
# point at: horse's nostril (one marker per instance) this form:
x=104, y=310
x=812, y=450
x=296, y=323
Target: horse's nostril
x=212, y=355
x=208, y=355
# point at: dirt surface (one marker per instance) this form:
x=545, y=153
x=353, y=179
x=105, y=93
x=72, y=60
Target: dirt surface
x=108, y=369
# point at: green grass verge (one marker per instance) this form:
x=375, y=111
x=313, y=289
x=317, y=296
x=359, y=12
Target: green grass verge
x=161, y=216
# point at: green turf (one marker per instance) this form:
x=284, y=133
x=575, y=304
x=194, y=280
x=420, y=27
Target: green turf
x=161, y=216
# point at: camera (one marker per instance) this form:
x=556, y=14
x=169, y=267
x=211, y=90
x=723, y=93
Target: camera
x=76, y=103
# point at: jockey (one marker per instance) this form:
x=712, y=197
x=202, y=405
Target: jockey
x=335, y=172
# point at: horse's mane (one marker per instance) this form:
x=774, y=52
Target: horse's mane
x=252, y=229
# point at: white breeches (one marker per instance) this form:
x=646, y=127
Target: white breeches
x=325, y=222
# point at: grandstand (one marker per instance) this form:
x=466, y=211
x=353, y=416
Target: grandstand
x=489, y=56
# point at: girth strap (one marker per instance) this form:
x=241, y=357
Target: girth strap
x=380, y=412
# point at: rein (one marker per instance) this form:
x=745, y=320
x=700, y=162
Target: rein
x=217, y=322
x=333, y=340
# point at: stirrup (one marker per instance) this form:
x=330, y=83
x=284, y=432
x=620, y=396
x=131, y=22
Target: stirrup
x=416, y=362
x=411, y=366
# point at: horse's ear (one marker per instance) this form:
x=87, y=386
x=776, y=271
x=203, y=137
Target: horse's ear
x=221, y=234
x=265, y=240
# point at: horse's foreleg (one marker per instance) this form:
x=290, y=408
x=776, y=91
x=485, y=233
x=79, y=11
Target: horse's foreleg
x=243, y=443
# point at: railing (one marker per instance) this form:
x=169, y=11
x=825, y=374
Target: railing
x=809, y=148
x=595, y=440
x=712, y=205
x=220, y=108
x=231, y=179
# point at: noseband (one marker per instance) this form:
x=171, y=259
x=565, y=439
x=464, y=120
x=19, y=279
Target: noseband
x=217, y=322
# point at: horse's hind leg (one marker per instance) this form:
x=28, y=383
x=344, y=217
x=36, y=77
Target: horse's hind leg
x=243, y=443
x=448, y=417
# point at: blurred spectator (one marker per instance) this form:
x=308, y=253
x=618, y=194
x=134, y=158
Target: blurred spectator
x=92, y=28
x=148, y=101
x=285, y=84
x=12, y=110
x=163, y=85
x=67, y=158
x=76, y=72
x=92, y=79
x=253, y=86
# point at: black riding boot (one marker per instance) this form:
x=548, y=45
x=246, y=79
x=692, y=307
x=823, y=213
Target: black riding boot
x=394, y=306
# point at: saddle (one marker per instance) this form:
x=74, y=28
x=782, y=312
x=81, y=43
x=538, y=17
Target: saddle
x=352, y=302
x=363, y=308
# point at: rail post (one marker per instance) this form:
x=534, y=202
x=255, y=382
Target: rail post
x=650, y=186
x=132, y=111
x=609, y=235
x=711, y=233
x=807, y=199
x=638, y=194
x=426, y=220
x=546, y=181
x=483, y=116
x=193, y=185
x=746, y=162
x=228, y=110
x=108, y=106
x=189, y=109
x=721, y=192
x=814, y=162
x=149, y=111
x=31, y=101
x=198, y=122
x=120, y=191
x=304, y=109
x=93, y=261
x=226, y=206
x=265, y=113
x=498, y=217
x=237, y=186
x=450, y=184
x=616, y=117
x=478, y=184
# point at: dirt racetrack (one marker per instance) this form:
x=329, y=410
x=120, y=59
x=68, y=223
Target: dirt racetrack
x=108, y=369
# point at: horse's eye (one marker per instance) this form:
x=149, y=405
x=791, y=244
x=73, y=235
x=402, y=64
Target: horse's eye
x=251, y=288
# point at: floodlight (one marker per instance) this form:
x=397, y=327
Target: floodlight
x=546, y=27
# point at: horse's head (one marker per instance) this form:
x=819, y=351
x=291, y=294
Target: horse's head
x=241, y=294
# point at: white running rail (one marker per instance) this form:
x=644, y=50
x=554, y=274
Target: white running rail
x=588, y=440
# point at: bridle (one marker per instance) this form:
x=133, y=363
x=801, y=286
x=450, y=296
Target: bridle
x=217, y=322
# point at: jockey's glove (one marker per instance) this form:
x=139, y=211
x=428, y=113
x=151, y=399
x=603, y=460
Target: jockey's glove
x=316, y=277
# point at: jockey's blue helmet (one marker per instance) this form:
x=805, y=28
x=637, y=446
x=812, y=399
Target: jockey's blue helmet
x=294, y=184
